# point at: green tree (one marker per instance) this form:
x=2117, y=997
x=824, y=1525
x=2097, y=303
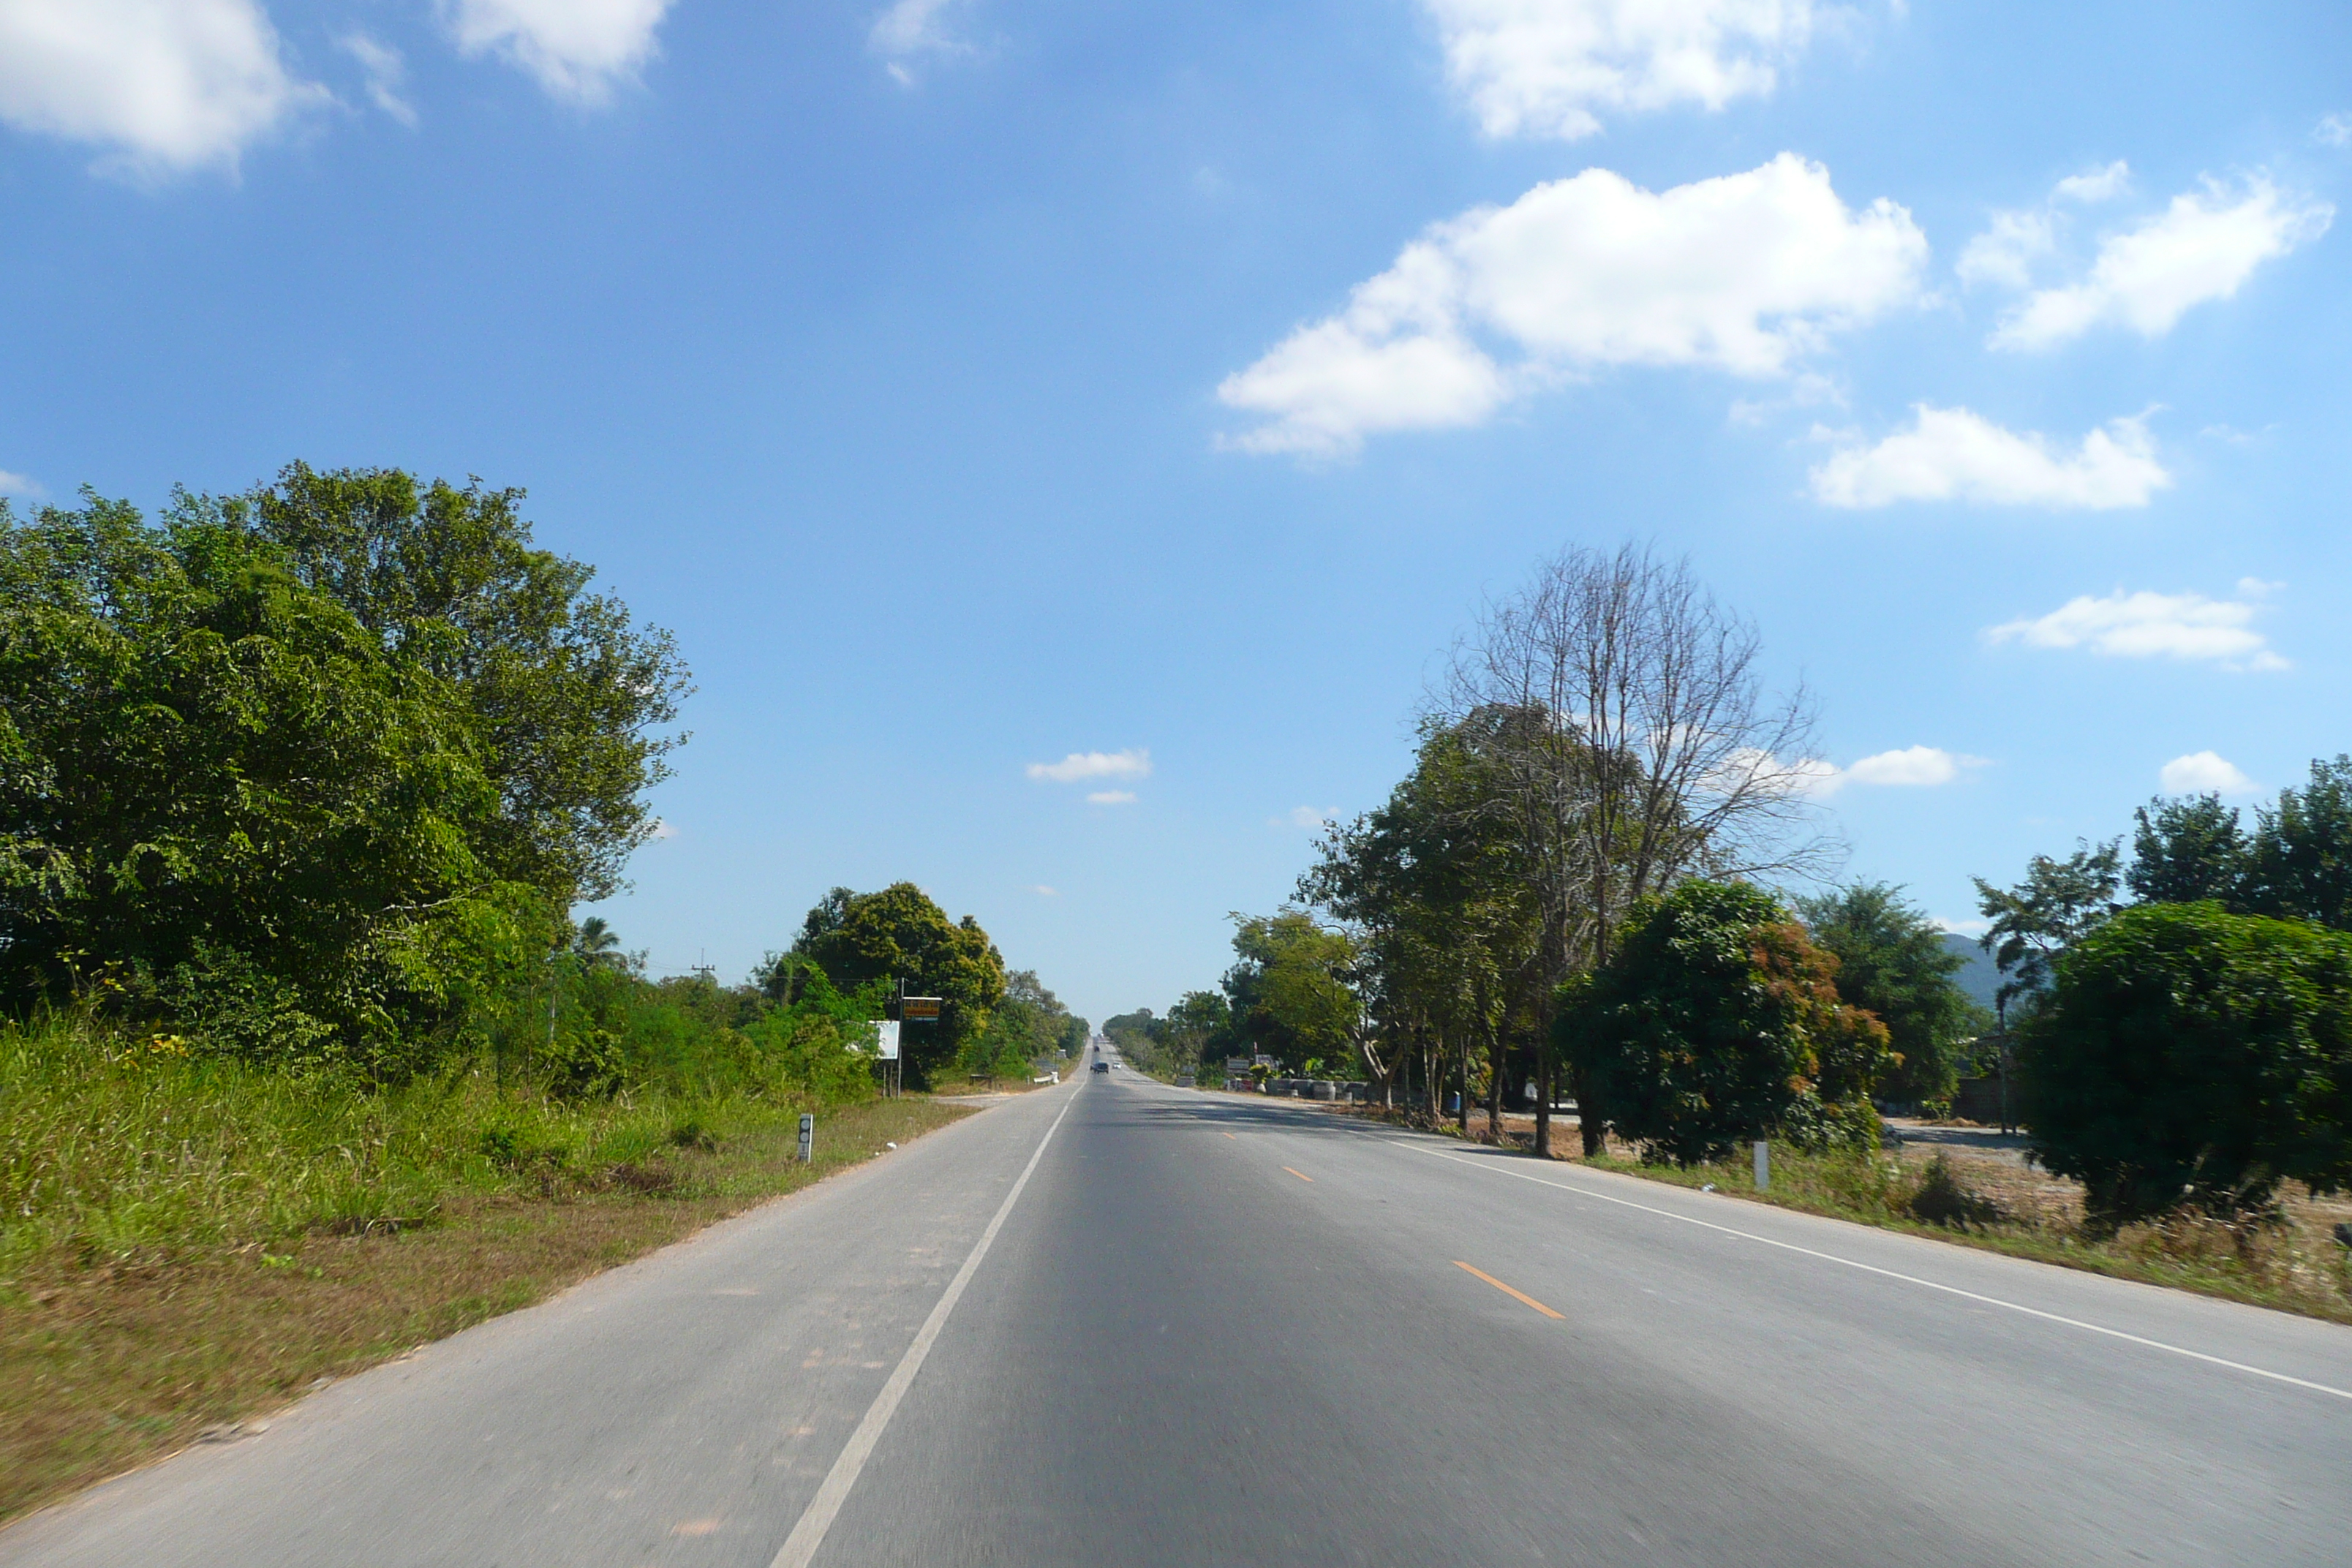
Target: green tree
x=2058, y=904
x=223, y=795
x=1199, y=1029
x=2302, y=849
x=1718, y=1020
x=1449, y=927
x=2188, y=851
x=2187, y=1054
x=1288, y=989
x=597, y=944
x=900, y=935
x=1893, y=962
x=567, y=696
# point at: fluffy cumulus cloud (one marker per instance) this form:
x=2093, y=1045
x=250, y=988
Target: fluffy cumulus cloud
x=1111, y=797
x=1551, y=67
x=1746, y=273
x=2201, y=247
x=18, y=485
x=579, y=49
x=1952, y=454
x=166, y=85
x=2204, y=772
x=1078, y=765
x=1913, y=768
x=2188, y=627
x=1818, y=778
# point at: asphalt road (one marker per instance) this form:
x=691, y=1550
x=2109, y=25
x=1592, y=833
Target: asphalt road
x=1217, y=1330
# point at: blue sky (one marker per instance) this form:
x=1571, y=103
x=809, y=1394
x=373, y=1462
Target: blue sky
x=981, y=384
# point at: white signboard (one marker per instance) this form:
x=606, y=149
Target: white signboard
x=887, y=1037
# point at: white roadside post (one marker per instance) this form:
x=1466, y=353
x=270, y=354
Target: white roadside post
x=808, y=1137
x=1763, y=1166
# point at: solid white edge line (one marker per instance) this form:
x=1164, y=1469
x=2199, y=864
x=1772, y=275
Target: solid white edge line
x=802, y=1544
x=1891, y=1274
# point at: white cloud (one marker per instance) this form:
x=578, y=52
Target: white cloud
x=385, y=71
x=1746, y=273
x=1912, y=767
x=2098, y=186
x=2005, y=253
x=170, y=85
x=1111, y=797
x=663, y=829
x=2332, y=130
x=1129, y=764
x=579, y=49
x=2204, y=772
x=19, y=486
x=1310, y=818
x=1044, y=891
x=911, y=29
x=2151, y=625
x=1973, y=926
x=1544, y=67
x=1952, y=454
x=2202, y=246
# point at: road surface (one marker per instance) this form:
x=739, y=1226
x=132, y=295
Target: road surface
x=1217, y=1330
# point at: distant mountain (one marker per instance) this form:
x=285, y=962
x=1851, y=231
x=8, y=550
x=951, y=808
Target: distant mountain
x=1980, y=979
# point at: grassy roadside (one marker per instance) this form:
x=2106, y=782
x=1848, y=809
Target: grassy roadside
x=199, y=1283
x=2292, y=1265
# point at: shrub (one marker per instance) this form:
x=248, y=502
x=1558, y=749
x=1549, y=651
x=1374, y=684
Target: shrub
x=1942, y=1198
x=1718, y=1020
x=2189, y=1054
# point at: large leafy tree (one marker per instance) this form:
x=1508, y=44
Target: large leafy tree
x=220, y=792
x=1636, y=746
x=2187, y=1054
x=568, y=699
x=1289, y=991
x=2302, y=851
x=2059, y=903
x=900, y=935
x=1894, y=963
x=1451, y=931
x=1717, y=1020
x=2189, y=849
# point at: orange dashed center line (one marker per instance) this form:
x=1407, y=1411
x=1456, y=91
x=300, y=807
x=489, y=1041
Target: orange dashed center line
x=1301, y=1175
x=1230, y=1135
x=1506, y=1289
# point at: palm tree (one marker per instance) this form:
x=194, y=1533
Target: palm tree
x=596, y=943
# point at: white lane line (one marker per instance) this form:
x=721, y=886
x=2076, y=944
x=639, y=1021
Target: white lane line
x=801, y=1545
x=1891, y=1274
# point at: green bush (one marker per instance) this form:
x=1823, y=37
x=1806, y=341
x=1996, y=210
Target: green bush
x=1718, y=1020
x=2187, y=1055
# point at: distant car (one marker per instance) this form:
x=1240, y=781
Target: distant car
x=1102, y=1066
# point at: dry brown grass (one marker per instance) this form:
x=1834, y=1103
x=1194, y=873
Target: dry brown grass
x=105, y=1364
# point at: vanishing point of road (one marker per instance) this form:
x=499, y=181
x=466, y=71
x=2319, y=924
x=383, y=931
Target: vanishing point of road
x=1113, y=1323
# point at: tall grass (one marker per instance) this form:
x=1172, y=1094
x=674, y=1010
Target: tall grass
x=114, y=1145
x=2288, y=1259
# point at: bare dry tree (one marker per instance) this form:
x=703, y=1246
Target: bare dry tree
x=1630, y=745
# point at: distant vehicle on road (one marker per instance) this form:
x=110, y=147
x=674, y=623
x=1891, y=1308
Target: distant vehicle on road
x=1102, y=1066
